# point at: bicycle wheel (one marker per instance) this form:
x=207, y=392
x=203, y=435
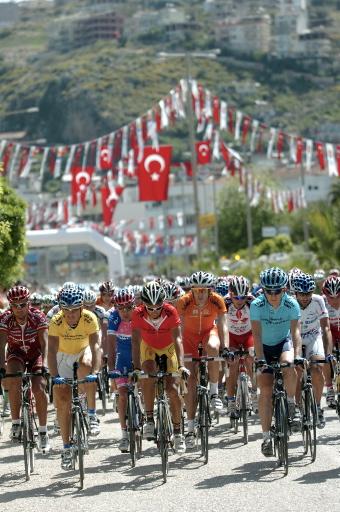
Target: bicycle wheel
x=244, y=401
x=281, y=432
x=26, y=441
x=104, y=396
x=80, y=444
x=131, y=417
x=309, y=421
x=162, y=440
x=204, y=423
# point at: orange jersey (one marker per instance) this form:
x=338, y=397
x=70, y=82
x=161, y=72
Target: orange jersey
x=198, y=321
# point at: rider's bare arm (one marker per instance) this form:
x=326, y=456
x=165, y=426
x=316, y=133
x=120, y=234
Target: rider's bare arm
x=326, y=335
x=177, y=337
x=96, y=353
x=43, y=340
x=296, y=337
x=53, y=345
x=136, y=339
x=257, y=335
x=222, y=328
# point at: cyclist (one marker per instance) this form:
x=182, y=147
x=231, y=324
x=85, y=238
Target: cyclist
x=24, y=330
x=294, y=272
x=315, y=334
x=73, y=336
x=120, y=352
x=172, y=292
x=106, y=290
x=319, y=277
x=48, y=304
x=275, y=325
x=199, y=309
x=36, y=300
x=331, y=294
x=240, y=335
x=156, y=331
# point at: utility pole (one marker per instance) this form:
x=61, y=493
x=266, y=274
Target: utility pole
x=192, y=145
x=250, y=242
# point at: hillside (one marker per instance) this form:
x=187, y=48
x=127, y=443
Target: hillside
x=91, y=91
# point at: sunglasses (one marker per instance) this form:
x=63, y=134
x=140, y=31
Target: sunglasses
x=273, y=292
x=239, y=297
x=154, y=309
x=22, y=305
x=199, y=289
x=124, y=308
x=304, y=294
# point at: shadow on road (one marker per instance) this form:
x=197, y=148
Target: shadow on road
x=317, y=477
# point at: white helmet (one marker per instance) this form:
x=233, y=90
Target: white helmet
x=202, y=280
x=153, y=293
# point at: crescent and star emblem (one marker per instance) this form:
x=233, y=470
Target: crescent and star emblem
x=113, y=198
x=157, y=167
x=204, y=149
x=105, y=155
x=83, y=179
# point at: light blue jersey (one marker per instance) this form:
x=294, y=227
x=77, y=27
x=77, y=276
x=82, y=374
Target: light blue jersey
x=275, y=323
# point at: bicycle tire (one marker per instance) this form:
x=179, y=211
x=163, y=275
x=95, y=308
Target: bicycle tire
x=131, y=417
x=204, y=426
x=309, y=418
x=281, y=433
x=244, y=401
x=80, y=444
x=338, y=406
x=104, y=396
x=26, y=441
x=162, y=440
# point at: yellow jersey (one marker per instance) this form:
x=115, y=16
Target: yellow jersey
x=73, y=340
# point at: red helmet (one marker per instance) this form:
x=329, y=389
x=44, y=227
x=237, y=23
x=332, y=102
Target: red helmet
x=124, y=297
x=107, y=287
x=18, y=294
x=331, y=286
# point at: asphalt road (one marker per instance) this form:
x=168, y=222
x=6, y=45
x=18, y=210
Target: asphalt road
x=236, y=477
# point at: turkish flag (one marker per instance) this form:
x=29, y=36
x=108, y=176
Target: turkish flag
x=321, y=155
x=203, y=152
x=110, y=197
x=105, y=158
x=81, y=180
x=338, y=158
x=153, y=174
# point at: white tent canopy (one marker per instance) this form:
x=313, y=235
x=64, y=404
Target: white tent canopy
x=75, y=236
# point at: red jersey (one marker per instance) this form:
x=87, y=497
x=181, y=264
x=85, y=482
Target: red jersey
x=156, y=333
x=23, y=339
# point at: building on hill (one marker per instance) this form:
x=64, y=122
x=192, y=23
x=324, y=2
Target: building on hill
x=250, y=34
x=9, y=14
x=85, y=28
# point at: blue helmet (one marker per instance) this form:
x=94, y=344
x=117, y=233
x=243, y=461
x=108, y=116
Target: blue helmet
x=303, y=283
x=274, y=277
x=71, y=298
x=222, y=288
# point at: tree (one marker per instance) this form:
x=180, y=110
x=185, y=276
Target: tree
x=12, y=235
x=232, y=224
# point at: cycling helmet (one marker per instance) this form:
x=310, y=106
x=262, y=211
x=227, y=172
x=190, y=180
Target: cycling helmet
x=48, y=300
x=303, y=283
x=273, y=277
x=107, y=287
x=68, y=284
x=90, y=297
x=334, y=272
x=202, y=280
x=136, y=290
x=319, y=274
x=222, y=288
x=294, y=272
x=331, y=286
x=18, y=294
x=172, y=291
x=239, y=285
x=36, y=299
x=153, y=293
x=124, y=297
x=71, y=298
x=183, y=282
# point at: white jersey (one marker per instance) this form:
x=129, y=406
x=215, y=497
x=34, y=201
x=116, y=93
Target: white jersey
x=53, y=311
x=238, y=319
x=334, y=320
x=310, y=319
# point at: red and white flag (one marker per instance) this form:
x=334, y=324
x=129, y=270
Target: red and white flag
x=110, y=197
x=338, y=158
x=81, y=180
x=320, y=152
x=105, y=158
x=203, y=152
x=153, y=174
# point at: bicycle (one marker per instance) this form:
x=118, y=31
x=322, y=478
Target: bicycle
x=243, y=399
x=280, y=427
x=28, y=425
x=134, y=414
x=164, y=432
x=204, y=416
x=308, y=408
x=336, y=371
x=103, y=385
x=79, y=424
